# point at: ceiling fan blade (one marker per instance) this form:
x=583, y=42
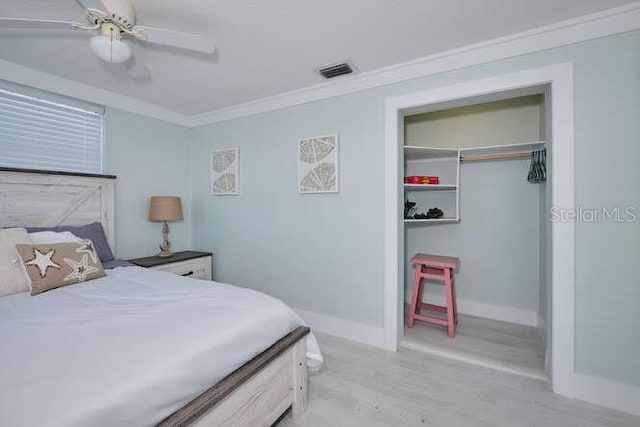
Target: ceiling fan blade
x=34, y=24
x=176, y=39
x=92, y=4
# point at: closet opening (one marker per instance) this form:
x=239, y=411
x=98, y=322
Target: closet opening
x=475, y=189
x=556, y=83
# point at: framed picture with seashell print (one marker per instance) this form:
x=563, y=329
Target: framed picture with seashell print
x=224, y=171
x=318, y=164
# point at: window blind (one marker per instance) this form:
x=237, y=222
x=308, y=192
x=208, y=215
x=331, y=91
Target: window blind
x=42, y=130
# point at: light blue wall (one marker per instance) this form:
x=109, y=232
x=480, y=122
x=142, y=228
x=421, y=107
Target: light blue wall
x=497, y=239
x=607, y=170
x=325, y=253
x=321, y=253
x=150, y=157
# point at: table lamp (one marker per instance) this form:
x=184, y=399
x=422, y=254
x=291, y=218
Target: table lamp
x=165, y=208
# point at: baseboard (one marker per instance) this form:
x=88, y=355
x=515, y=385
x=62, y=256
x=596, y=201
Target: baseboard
x=491, y=311
x=344, y=328
x=542, y=330
x=542, y=327
x=612, y=394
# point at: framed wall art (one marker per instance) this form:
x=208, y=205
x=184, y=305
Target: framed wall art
x=318, y=164
x=224, y=171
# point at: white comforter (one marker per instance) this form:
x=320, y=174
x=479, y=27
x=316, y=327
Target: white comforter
x=130, y=348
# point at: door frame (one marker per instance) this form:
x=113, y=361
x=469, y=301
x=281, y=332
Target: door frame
x=556, y=79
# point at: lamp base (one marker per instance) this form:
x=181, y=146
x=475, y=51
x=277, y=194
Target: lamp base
x=165, y=247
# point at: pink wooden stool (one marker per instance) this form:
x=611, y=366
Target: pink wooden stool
x=439, y=268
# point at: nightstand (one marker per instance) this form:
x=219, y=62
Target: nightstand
x=186, y=263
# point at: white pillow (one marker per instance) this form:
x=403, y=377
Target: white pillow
x=44, y=237
x=13, y=278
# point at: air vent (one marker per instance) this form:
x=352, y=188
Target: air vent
x=336, y=70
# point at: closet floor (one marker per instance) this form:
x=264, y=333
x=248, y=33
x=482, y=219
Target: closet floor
x=506, y=347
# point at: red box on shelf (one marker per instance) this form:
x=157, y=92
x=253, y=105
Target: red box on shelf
x=422, y=179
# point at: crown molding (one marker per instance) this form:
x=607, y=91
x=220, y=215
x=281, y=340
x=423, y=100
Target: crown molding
x=28, y=76
x=588, y=27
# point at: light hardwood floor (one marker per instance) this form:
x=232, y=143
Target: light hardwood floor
x=500, y=345
x=365, y=386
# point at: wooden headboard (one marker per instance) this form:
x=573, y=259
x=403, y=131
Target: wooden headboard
x=32, y=198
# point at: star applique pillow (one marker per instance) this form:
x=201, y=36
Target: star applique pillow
x=55, y=265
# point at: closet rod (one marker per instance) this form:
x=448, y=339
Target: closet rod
x=502, y=156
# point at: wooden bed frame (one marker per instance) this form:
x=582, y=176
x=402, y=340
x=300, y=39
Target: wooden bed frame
x=256, y=394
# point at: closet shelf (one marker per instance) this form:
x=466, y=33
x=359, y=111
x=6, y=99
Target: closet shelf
x=425, y=153
x=526, y=147
x=432, y=220
x=446, y=166
x=430, y=187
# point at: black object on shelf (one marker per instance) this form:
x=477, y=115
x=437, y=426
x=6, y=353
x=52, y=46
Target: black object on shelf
x=434, y=213
x=409, y=208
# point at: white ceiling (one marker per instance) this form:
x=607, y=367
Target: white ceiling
x=268, y=47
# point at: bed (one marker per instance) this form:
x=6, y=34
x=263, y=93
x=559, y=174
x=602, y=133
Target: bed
x=139, y=347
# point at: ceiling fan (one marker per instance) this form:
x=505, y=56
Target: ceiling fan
x=115, y=21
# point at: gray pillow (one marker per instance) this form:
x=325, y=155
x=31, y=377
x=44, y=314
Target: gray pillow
x=117, y=263
x=93, y=232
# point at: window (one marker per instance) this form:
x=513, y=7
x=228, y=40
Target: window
x=42, y=130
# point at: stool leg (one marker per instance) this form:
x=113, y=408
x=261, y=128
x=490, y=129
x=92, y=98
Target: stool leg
x=455, y=299
x=420, y=295
x=451, y=323
x=417, y=280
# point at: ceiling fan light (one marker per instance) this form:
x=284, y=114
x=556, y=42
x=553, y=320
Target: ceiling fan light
x=110, y=49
